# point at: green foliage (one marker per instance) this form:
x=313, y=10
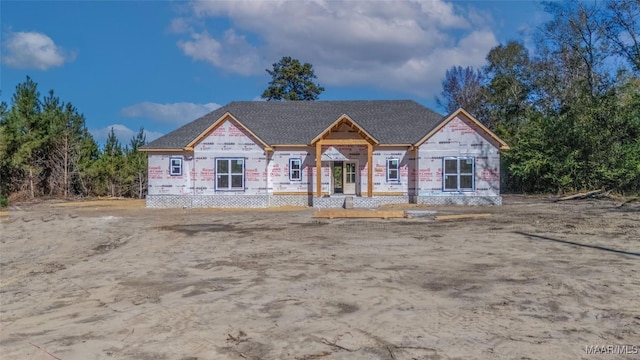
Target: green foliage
x=595, y=143
x=136, y=166
x=4, y=202
x=109, y=167
x=23, y=132
x=571, y=113
x=291, y=80
x=46, y=149
x=509, y=88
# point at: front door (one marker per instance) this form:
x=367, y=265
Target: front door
x=350, y=178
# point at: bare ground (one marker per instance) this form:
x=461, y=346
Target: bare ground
x=112, y=280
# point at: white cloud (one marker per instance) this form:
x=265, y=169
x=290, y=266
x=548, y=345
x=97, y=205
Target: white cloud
x=398, y=45
x=174, y=113
x=33, y=50
x=180, y=26
x=232, y=52
x=122, y=132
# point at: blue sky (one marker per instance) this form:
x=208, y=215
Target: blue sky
x=161, y=64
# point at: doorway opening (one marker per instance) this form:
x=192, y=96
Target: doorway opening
x=345, y=177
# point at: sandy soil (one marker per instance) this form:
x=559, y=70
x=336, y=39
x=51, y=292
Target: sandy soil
x=112, y=280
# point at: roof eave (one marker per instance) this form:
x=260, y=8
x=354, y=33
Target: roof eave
x=161, y=149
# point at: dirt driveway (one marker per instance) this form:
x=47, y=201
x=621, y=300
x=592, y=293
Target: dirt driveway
x=112, y=280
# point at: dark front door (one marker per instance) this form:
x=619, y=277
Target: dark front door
x=338, y=177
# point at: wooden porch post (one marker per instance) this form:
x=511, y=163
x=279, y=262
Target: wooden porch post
x=370, y=170
x=318, y=168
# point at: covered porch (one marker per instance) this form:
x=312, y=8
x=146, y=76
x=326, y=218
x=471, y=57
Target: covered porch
x=347, y=150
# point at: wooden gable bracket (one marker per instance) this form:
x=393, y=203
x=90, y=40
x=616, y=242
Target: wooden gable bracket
x=344, y=118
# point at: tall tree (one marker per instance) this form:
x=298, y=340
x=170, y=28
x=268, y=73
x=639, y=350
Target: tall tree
x=54, y=170
x=23, y=131
x=583, y=130
x=110, y=165
x=509, y=87
x=291, y=80
x=4, y=157
x=463, y=88
x=64, y=137
x=621, y=26
x=137, y=165
x=85, y=165
x=571, y=55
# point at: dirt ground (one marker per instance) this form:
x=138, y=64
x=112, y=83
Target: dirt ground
x=113, y=280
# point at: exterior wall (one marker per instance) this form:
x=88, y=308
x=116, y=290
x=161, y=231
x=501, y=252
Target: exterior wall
x=459, y=200
x=278, y=170
x=161, y=182
x=207, y=201
x=169, y=201
x=264, y=201
x=229, y=141
x=224, y=201
x=459, y=138
x=380, y=183
x=290, y=200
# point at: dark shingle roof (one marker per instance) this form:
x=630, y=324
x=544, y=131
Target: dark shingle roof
x=298, y=122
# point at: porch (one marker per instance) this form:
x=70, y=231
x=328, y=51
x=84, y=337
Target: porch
x=345, y=175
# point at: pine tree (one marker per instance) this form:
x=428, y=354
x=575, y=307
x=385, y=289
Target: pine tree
x=110, y=165
x=291, y=80
x=137, y=165
x=24, y=137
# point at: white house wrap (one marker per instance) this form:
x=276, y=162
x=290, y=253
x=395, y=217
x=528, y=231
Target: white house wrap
x=261, y=154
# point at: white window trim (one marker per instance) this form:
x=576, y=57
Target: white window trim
x=458, y=174
x=230, y=188
x=291, y=177
x=397, y=179
x=171, y=166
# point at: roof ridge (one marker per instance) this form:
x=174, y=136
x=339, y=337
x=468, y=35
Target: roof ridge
x=393, y=121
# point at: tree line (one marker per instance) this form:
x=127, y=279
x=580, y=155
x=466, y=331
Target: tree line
x=569, y=105
x=47, y=151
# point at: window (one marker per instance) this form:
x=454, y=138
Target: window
x=393, y=174
x=230, y=174
x=458, y=174
x=295, y=169
x=175, y=167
